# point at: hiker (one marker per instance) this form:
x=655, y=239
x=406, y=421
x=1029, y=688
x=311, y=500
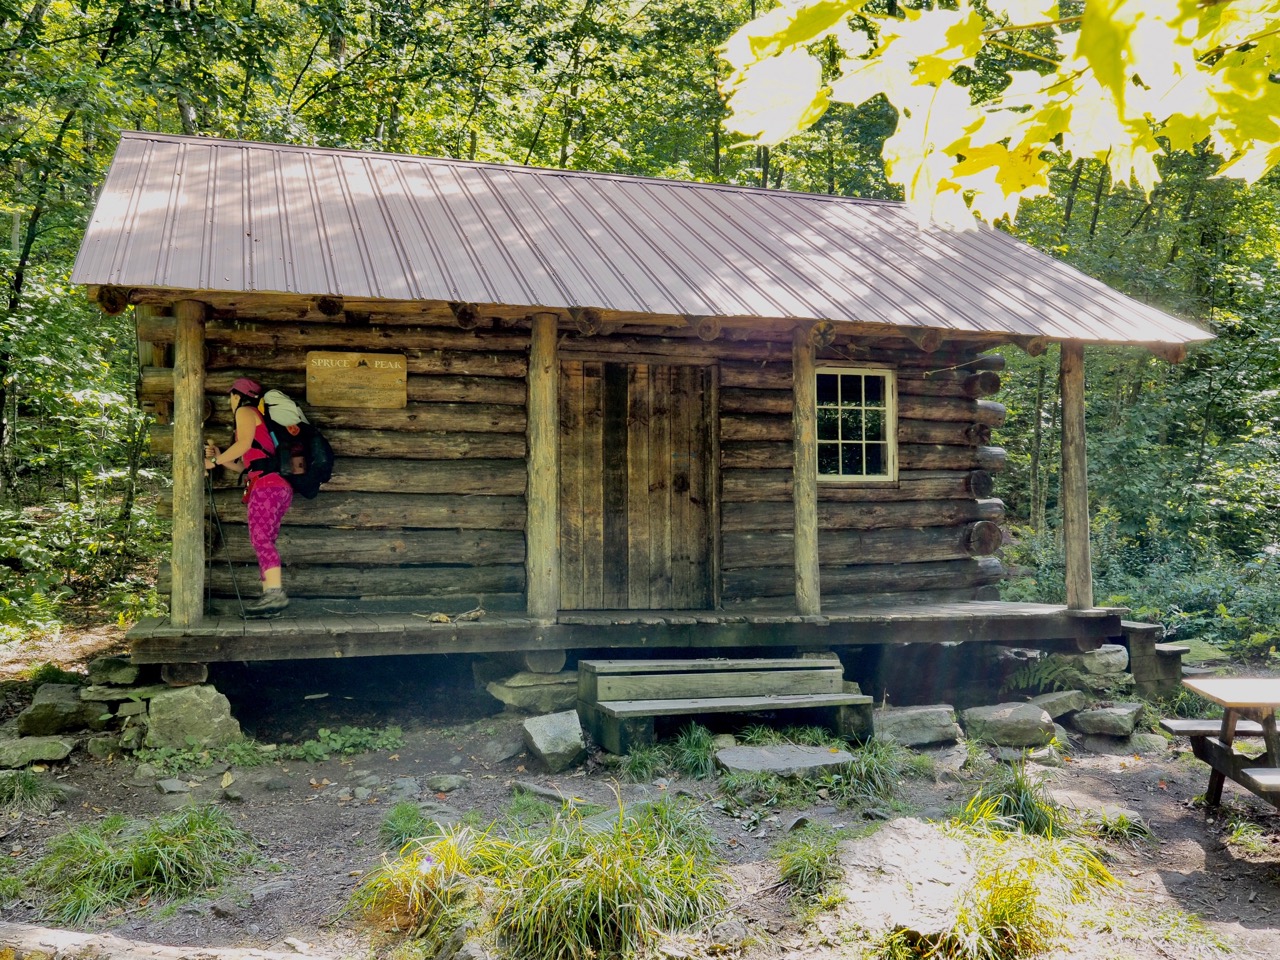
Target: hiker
x=268, y=495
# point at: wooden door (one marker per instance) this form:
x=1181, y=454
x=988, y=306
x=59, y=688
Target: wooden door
x=637, y=482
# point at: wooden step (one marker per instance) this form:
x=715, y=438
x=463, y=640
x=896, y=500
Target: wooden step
x=1265, y=779
x=1209, y=728
x=614, y=680
x=626, y=709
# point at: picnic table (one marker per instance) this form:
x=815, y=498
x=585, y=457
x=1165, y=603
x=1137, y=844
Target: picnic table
x=1249, y=709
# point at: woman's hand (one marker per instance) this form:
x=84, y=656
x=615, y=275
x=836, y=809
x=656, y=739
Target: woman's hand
x=211, y=453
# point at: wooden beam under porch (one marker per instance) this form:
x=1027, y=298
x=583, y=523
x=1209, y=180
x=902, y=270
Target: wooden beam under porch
x=220, y=639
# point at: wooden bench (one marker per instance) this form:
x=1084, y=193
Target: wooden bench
x=619, y=699
x=1208, y=728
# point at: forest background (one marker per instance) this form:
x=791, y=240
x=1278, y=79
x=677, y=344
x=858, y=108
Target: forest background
x=1183, y=466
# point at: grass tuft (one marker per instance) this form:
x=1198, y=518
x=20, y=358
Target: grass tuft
x=22, y=791
x=644, y=764
x=1025, y=884
x=98, y=867
x=404, y=822
x=562, y=894
x=1014, y=799
x=807, y=861
x=1117, y=827
x=693, y=752
x=52, y=673
x=1245, y=835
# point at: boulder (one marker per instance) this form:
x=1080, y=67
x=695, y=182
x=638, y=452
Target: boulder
x=1061, y=702
x=1149, y=744
x=57, y=708
x=445, y=782
x=783, y=760
x=1118, y=720
x=24, y=751
x=556, y=739
x=1095, y=670
x=113, y=671
x=1008, y=725
x=908, y=875
x=196, y=716
x=917, y=726
x=537, y=692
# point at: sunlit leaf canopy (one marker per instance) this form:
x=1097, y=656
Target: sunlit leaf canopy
x=1119, y=81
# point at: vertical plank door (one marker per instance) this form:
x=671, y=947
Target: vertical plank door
x=637, y=482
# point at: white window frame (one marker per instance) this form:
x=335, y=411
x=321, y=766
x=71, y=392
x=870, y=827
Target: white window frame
x=891, y=422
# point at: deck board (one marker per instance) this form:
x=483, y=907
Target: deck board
x=371, y=633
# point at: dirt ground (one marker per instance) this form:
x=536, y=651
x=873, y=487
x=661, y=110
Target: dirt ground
x=317, y=823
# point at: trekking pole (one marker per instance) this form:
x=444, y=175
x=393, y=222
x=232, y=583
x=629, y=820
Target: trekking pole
x=222, y=538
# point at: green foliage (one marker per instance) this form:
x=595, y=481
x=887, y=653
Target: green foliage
x=404, y=822
x=644, y=764
x=1117, y=827
x=52, y=673
x=1019, y=901
x=581, y=894
x=1014, y=800
x=1245, y=835
x=693, y=752
x=565, y=893
x=527, y=810
x=345, y=741
x=179, y=761
x=22, y=791
x=808, y=862
x=97, y=867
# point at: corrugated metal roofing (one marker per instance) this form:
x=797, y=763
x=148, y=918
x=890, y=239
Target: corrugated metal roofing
x=195, y=214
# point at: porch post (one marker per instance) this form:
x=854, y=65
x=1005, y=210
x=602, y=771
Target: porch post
x=542, y=527
x=186, y=601
x=804, y=419
x=1074, y=487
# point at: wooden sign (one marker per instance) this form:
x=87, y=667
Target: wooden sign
x=367, y=380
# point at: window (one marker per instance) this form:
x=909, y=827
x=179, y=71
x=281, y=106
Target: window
x=856, y=424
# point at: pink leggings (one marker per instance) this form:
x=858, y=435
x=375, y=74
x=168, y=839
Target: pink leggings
x=267, y=506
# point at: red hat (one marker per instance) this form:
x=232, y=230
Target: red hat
x=248, y=388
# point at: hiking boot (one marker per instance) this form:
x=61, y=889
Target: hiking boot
x=270, y=604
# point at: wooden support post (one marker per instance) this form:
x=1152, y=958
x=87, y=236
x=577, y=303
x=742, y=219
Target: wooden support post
x=805, y=472
x=186, y=602
x=1075, y=488
x=542, y=528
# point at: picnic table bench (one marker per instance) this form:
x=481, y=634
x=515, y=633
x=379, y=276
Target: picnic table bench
x=1249, y=709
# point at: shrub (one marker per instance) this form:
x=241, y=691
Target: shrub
x=693, y=753
x=645, y=763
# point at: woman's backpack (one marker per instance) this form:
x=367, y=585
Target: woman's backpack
x=302, y=455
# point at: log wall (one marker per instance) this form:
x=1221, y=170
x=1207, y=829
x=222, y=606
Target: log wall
x=428, y=503
x=929, y=535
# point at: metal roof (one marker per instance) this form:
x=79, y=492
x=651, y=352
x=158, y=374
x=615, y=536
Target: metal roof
x=198, y=214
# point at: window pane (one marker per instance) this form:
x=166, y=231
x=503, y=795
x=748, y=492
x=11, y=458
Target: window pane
x=850, y=424
x=875, y=424
x=828, y=389
x=877, y=462
x=875, y=390
x=851, y=390
x=829, y=459
x=851, y=459
x=828, y=423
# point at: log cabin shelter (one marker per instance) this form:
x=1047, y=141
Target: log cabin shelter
x=607, y=411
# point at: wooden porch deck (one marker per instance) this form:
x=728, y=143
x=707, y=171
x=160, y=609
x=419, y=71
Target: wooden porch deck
x=373, y=634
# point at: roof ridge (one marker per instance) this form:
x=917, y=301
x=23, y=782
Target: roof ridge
x=515, y=168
